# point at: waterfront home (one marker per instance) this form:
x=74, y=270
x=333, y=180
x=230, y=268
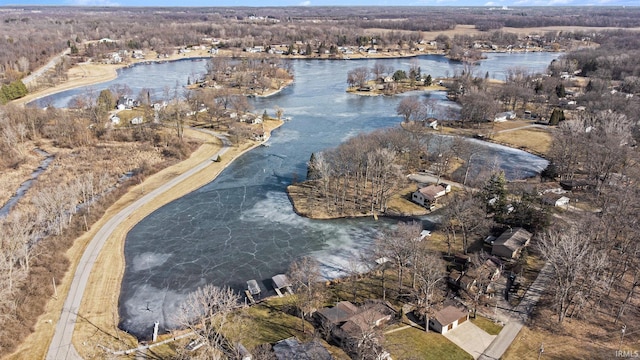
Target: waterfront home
x=554, y=199
x=427, y=196
x=510, y=243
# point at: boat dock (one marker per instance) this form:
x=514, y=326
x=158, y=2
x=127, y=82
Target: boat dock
x=281, y=281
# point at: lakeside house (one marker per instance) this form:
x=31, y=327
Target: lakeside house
x=477, y=278
x=504, y=116
x=448, y=319
x=427, y=196
x=510, y=243
x=345, y=322
x=554, y=199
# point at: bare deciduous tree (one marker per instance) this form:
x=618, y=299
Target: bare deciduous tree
x=208, y=312
x=570, y=253
x=306, y=280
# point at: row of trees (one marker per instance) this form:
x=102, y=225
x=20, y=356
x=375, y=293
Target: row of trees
x=33, y=38
x=359, y=76
x=12, y=91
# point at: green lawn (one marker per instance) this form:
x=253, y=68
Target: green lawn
x=487, y=325
x=413, y=343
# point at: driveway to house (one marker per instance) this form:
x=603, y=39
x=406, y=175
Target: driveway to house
x=61, y=346
x=470, y=338
x=519, y=317
x=427, y=177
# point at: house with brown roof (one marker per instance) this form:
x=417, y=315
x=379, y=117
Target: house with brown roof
x=428, y=195
x=476, y=278
x=554, y=199
x=346, y=322
x=448, y=319
x=511, y=242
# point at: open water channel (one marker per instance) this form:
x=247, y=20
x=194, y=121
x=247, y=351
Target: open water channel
x=242, y=226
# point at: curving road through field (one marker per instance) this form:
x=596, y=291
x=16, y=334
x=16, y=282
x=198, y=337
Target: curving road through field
x=61, y=347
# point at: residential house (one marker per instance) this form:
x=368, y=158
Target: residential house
x=504, y=116
x=477, y=278
x=448, y=319
x=125, y=102
x=292, y=348
x=428, y=195
x=576, y=184
x=136, y=120
x=115, y=120
x=346, y=322
x=554, y=199
x=511, y=242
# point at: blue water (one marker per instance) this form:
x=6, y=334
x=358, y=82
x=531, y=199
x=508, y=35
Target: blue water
x=242, y=226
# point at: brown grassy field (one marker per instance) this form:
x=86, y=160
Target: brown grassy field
x=535, y=140
x=10, y=180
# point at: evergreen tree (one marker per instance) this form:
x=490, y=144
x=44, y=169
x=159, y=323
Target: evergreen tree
x=494, y=194
x=560, y=91
x=428, y=80
x=399, y=75
x=312, y=173
x=556, y=116
x=106, y=101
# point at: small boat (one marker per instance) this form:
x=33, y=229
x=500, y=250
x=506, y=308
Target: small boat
x=253, y=287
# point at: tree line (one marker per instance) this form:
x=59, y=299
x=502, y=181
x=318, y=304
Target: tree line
x=33, y=37
x=65, y=201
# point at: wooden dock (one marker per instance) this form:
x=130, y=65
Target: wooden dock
x=280, y=282
x=250, y=297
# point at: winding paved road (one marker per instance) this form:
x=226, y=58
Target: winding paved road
x=48, y=66
x=61, y=346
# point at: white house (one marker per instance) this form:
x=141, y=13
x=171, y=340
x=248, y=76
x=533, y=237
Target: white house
x=136, y=120
x=555, y=199
x=504, y=116
x=428, y=195
x=115, y=120
x=448, y=319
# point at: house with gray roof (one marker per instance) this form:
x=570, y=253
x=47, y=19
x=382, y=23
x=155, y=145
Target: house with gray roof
x=510, y=243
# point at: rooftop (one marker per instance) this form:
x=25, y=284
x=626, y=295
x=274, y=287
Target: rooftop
x=449, y=314
x=513, y=238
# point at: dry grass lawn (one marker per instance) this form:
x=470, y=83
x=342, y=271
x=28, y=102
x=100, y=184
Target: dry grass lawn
x=412, y=343
x=535, y=140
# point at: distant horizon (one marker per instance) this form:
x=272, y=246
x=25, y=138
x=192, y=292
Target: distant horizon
x=329, y=3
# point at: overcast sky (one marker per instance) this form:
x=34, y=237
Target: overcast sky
x=327, y=2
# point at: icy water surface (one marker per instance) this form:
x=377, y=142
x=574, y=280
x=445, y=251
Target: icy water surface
x=242, y=226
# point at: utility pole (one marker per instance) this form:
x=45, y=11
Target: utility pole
x=541, y=350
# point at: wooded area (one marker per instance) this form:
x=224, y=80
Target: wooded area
x=594, y=250
x=36, y=34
